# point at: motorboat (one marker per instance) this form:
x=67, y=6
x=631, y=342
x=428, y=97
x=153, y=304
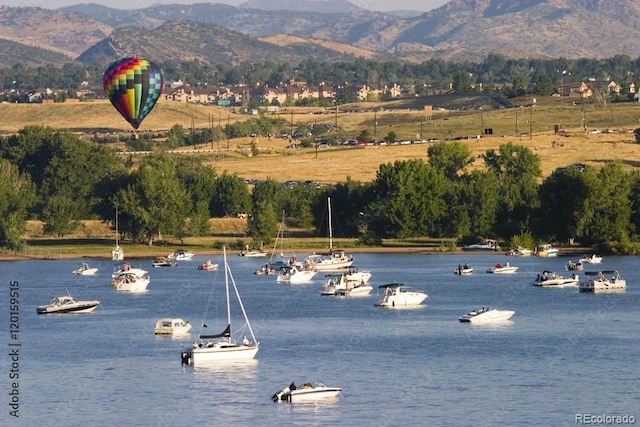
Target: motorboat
x=290, y=274
x=307, y=393
x=172, y=326
x=350, y=282
x=546, y=250
x=520, y=251
x=552, y=279
x=124, y=267
x=163, y=261
x=223, y=346
x=487, y=315
x=266, y=270
x=180, y=255
x=397, y=295
x=253, y=253
x=603, y=281
x=208, y=266
x=463, y=270
x=591, y=259
x=66, y=304
x=85, y=270
x=130, y=283
x=503, y=269
x=574, y=266
x=488, y=245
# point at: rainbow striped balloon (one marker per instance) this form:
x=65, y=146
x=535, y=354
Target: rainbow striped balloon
x=133, y=85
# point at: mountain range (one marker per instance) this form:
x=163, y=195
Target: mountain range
x=290, y=30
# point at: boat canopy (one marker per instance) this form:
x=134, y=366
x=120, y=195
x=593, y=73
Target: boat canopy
x=391, y=285
x=597, y=273
x=224, y=334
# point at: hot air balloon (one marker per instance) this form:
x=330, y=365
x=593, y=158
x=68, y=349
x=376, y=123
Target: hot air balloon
x=133, y=85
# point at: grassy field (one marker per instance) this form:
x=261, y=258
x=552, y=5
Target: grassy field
x=460, y=117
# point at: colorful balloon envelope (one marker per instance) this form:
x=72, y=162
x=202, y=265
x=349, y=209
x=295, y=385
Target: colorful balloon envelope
x=133, y=85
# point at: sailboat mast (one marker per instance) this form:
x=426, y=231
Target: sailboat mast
x=116, y=226
x=226, y=284
x=330, y=228
x=244, y=313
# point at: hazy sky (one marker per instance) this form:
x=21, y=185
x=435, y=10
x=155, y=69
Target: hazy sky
x=380, y=5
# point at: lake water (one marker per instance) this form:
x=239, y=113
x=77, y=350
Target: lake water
x=565, y=352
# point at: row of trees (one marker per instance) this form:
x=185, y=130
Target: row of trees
x=509, y=77
x=61, y=179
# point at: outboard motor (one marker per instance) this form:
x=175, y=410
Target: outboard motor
x=186, y=357
x=281, y=395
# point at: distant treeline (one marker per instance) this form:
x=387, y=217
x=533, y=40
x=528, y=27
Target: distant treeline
x=59, y=178
x=497, y=73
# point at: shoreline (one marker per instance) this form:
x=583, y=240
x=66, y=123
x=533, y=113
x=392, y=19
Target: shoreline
x=565, y=251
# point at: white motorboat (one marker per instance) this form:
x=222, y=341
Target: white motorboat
x=66, y=304
x=172, y=326
x=397, y=295
x=520, y=251
x=574, y=266
x=253, y=253
x=117, y=254
x=85, y=270
x=128, y=282
x=208, y=266
x=124, y=267
x=489, y=245
x=487, y=315
x=290, y=274
x=163, y=261
x=463, y=270
x=546, y=250
x=223, y=346
x=591, y=259
x=603, y=281
x=350, y=282
x=307, y=393
x=503, y=269
x=180, y=255
x=552, y=279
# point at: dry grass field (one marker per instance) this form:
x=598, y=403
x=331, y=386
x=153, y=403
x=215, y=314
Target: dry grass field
x=532, y=127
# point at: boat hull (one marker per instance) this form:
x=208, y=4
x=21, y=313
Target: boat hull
x=302, y=395
x=213, y=354
x=80, y=307
x=414, y=298
x=492, y=316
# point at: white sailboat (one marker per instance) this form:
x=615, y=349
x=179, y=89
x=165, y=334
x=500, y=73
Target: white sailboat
x=336, y=259
x=117, y=254
x=223, y=346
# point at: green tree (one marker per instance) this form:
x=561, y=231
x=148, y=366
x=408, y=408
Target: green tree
x=263, y=224
x=156, y=201
x=450, y=158
x=406, y=200
x=17, y=194
x=607, y=210
x=562, y=197
x=518, y=170
x=230, y=196
x=199, y=181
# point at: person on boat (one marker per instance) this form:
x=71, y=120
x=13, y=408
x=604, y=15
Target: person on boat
x=293, y=386
x=498, y=265
x=459, y=269
x=466, y=266
x=245, y=341
x=126, y=266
